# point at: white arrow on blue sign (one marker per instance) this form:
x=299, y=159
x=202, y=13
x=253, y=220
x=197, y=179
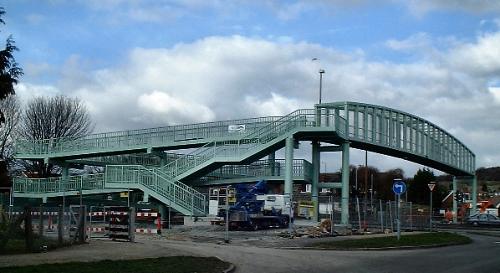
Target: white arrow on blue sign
x=399, y=187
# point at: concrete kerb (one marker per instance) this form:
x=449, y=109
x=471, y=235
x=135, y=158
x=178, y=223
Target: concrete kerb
x=373, y=248
x=231, y=267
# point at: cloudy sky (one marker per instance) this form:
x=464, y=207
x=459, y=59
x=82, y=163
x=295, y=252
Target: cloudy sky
x=149, y=63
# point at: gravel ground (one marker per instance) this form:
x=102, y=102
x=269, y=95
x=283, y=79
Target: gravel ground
x=168, y=244
x=270, y=238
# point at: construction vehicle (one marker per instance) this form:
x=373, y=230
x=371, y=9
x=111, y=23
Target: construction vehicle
x=255, y=209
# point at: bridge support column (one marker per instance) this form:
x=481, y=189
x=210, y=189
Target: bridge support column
x=65, y=177
x=344, y=218
x=145, y=197
x=455, y=204
x=474, y=195
x=289, y=166
x=271, y=159
x=65, y=171
x=163, y=212
x=315, y=179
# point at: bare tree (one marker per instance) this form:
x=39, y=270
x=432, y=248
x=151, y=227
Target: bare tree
x=53, y=118
x=11, y=108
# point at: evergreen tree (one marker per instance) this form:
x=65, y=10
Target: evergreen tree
x=9, y=68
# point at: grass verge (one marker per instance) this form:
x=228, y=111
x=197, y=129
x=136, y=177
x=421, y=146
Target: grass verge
x=179, y=264
x=18, y=246
x=412, y=240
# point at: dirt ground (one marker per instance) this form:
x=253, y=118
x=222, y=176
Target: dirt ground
x=167, y=244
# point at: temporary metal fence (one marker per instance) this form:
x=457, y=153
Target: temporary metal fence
x=380, y=215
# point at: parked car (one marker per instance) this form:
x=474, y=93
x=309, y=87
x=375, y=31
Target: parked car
x=483, y=219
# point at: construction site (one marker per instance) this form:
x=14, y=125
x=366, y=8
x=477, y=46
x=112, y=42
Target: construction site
x=227, y=174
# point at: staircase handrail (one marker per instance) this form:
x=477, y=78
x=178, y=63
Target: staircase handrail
x=260, y=136
x=51, y=145
x=161, y=184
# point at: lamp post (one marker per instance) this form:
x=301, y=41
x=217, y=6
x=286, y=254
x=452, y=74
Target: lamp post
x=321, y=72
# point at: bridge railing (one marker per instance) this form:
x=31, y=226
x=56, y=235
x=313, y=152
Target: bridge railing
x=58, y=184
x=262, y=168
x=143, y=137
x=398, y=130
x=176, y=192
x=234, y=149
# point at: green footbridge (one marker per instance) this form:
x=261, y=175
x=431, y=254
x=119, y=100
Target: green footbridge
x=233, y=151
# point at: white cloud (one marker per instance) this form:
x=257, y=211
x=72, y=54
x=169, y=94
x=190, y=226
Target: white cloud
x=37, y=69
x=495, y=91
x=276, y=105
x=479, y=58
x=27, y=91
x=219, y=78
x=419, y=40
x=173, y=110
x=420, y=7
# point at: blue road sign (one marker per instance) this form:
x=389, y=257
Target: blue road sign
x=399, y=187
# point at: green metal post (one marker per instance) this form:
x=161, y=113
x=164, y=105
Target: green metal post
x=474, y=195
x=64, y=181
x=344, y=219
x=289, y=166
x=315, y=179
x=163, y=213
x=272, y=162
x=289, y=145
x=455, y=205
x=318, y=116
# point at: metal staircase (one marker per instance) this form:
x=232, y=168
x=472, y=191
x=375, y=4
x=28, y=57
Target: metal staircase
x=242, y=148
x=164, y=184
x=178, y=196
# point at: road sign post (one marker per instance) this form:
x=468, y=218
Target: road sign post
x=399, y=187
x=431, y=188
x=226, y=237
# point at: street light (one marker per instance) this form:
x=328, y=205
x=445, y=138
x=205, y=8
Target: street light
x=321, y=72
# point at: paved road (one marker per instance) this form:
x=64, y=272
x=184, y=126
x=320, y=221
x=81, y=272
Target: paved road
x=481, y=256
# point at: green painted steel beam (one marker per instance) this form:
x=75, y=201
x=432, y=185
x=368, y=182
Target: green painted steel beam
x=315, y=178
x=290, y=142
x=330, y=185
x=345, y=185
